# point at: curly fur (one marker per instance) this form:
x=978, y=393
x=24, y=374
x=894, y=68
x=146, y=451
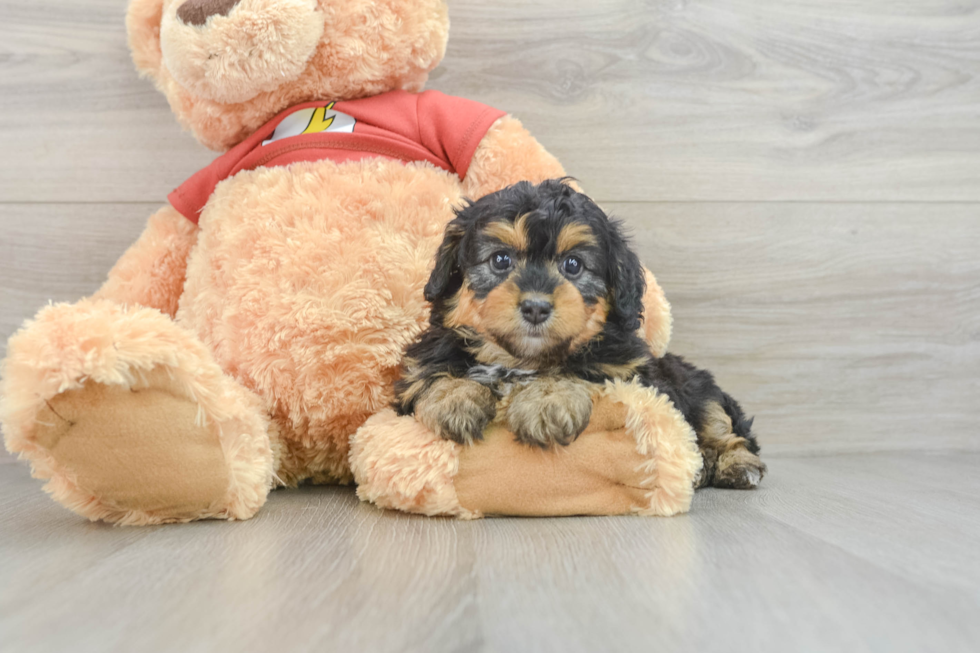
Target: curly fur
x=291, y=303
x=232, y=58
x=151, y=272
x=366, y=47
x=504, y=255
x=322, y=336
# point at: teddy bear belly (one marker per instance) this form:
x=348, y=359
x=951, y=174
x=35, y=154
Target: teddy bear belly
x=306, y=282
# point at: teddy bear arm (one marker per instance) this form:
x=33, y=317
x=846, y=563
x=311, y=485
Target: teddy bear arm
x=151, y=272
x=657, y=319
x=637, y=455
x=506, y=155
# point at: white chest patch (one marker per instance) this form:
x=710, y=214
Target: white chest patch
x=312, y=120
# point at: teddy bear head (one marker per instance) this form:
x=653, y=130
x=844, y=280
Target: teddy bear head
x=229, y=66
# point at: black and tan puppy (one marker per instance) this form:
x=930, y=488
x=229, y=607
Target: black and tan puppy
x=536, y=297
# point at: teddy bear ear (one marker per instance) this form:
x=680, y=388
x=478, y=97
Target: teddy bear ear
x=657, y=320
x=143, y=20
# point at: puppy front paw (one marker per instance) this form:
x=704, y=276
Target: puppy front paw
x=549, y=411
x=457, y=409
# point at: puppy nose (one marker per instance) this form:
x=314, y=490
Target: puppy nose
x=197, y=12
x=535, y=311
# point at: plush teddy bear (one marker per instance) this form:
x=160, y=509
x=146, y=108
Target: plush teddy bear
x=259, y=320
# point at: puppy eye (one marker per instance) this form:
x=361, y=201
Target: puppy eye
x=501, y=261
x=572, y=266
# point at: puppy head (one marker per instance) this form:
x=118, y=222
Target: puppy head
x=537, y=270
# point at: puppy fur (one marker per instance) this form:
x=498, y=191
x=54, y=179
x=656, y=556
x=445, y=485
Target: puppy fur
x=537, y=299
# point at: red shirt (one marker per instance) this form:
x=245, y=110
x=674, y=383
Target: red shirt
x=429, y=126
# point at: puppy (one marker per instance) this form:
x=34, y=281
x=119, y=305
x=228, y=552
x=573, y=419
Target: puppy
x=536, y=299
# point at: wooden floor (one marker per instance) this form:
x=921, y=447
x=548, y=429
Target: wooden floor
x=835, y=553
x=804, y=179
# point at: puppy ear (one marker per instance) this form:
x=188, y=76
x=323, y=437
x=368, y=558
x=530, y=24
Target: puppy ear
x=628, y=281
x=446, y=277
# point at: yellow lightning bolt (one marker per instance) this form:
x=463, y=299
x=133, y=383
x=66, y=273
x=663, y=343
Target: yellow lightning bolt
x=317, y=122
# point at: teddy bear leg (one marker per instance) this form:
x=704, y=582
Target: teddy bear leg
x=130, y=419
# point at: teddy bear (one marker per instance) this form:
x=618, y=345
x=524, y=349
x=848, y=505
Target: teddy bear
x=248, y=340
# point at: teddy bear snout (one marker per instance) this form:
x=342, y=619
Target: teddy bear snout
x=197, y=12
x=229, y=51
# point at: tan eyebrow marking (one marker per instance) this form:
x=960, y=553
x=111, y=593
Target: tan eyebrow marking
x=514, y=235
x=575, y=235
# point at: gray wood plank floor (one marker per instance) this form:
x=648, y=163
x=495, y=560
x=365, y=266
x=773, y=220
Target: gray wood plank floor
x=834, y=553
x=804, y=179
